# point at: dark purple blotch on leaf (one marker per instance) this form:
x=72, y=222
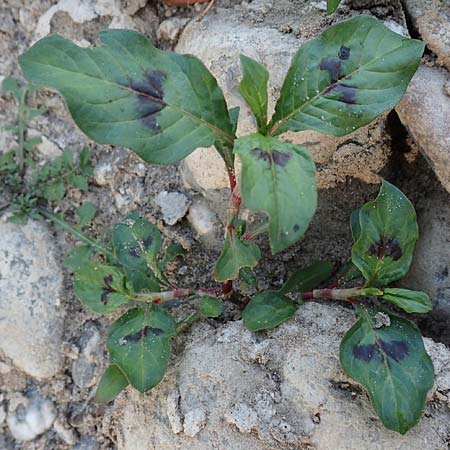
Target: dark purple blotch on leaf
x=396, y=350
x=107, y=289
x=333, y=67
x=347, y=93
x=273, y=157
x=150, y=96
x=142, y=333
x=148, y=241
x=386, y=247
x=135, y=251
x=296, y=227
x=344, y=53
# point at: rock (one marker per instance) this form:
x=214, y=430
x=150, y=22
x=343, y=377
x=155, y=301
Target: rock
x=194, y=421
x=48, y=149
x=131, y=7
x=218, y=40
x=86, y=367
x=432, y=20
x=173, y=412
x=2, y=413
x=205, y=222
x=66, y=433
x=298, y=398
x=31, y=284
x=169, y=29
x=27, y=422
x=109, y=165
x=174, y=206
x=424, y=111
x=430, y=269
x=86, y=443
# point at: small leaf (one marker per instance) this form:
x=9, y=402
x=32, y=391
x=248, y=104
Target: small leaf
x=384, y=250
x=247, y=277
x=173, y=250
x=78, y=257
x=137, y=243
x=86, y=212
x=210, y=306
x=253, y=88
x=112, y=383
x=308, y=278
x=345, y=78
x=235, y=255
x=67, y=159
x=390, y=361
x=85, y=163
x=279, y=179
x=10, y=84
x=139, y=344
x=55, y=190
x=355, y=225
x=332, y=5
x=100, y=288
x=79, y=182
x=30, y=143
x=409, y=301
x=126, y=92
x=140, y=281
x=234, y=118
x=268, y=309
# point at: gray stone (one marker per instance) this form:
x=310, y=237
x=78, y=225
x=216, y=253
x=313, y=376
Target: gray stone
x=173, y=205
x=170, y=29
x=425, y=112
x=288, y=393
x=31, y=283
x=87, y=443
x=432, y=20
x=85, y=369
x=25, y=423
x=205, y=222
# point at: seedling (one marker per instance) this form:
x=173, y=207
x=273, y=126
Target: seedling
x=163, y=106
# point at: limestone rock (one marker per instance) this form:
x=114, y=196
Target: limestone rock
x=31, y=285
x=218, y=40
x=174, y=206
x=425, y=112
x=288, y=393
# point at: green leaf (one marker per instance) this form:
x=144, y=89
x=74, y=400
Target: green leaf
x=140, y=281
x=235, y=255
x=112, y=383
x=332, y=5
x=308, y=278
x=78, y=257
x=234, y=118
x=100, y=288
x=126, y=92
x=138, y=344
x=86, y=212
x=279, y=179
x=10, y=84
x=345, y=78
x=268, y=309
x=248, y=278
x=409, y=301
x=173, y=250
x=355, y=226
x=253, y=88
x=85, y=163
x=210, y=306
x=389, y=231
x=137, y=243
x=54, y=190
x=67, y=159
x=387, y=356
x=79, y=182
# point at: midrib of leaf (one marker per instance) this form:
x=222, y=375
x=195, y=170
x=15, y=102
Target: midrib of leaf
x=141, y=94
x=279, y=124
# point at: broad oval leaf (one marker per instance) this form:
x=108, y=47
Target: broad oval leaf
x=309, y=277
x=236, y=254
x=100, y=288
x=78, y=257
x=253, y=88
x=332, y=5
x=268, y=309
x=139, y=344
x=136, y=242
x=390, y=361
x=279, y=179
x=409, y=301
x=345, y=78
x=126, y=92
x=86, y=212
x=112, y=383
x=384, y=250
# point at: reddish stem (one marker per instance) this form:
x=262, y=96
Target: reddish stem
x=227, y=286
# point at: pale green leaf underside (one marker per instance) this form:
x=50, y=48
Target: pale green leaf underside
x=126, y=92
x=139, y=344
x=392, y=364
x=345, y=78
x=279, y=179
x=388, y=233
x=409, y=301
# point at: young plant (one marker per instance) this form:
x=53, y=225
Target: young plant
x=163, y=106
